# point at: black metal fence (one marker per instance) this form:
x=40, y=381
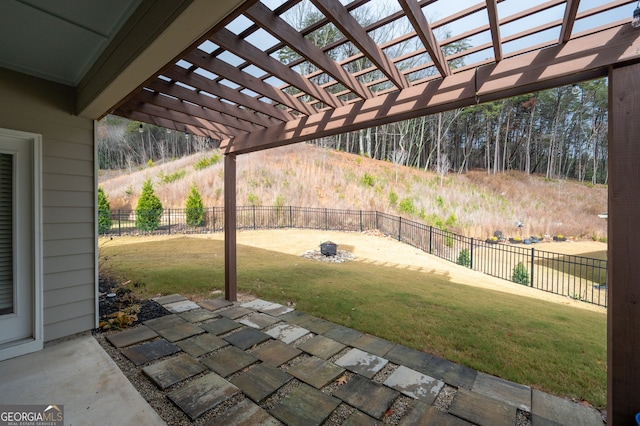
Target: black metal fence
x=577, y=277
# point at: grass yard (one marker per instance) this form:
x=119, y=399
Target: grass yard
x=552, y=347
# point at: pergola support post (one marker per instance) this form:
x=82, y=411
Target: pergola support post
x=623, y=316
x=230, y=254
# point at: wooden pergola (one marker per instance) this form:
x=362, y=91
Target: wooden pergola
x=261, y=78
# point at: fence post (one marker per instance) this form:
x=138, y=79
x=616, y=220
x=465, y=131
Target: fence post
x=290, y=217
x=399, y=228
x=377, y=225
x=532, y=264
x=169, y=214
x=326, y=219
x=361, y=221
x=430, y=239
x=471, y=255
x=254, y=217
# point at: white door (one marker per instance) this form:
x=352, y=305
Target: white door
x=20, y=252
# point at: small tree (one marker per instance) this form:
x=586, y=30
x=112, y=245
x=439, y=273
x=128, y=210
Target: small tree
x=149, y=209
x=195, y=209
x=104, y=212
x=520, y=274
x=464, y=258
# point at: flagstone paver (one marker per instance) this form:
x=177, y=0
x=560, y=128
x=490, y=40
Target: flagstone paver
x=367, y=396
x=182, y=306
x=198, y=315
x=414, y=384
x=276, y=310
x=257, y=304
x=276, y=352
x=171, y=298
x=482, y=410
x=131, y=336
x=164, y=322
x=372, y=344
x=316, y=372
x=235, y=312
x=425, y=414
x=259, y=321
x=547, y=410
x=244, y=413
x=305, y=406
x=229, y=360
x=295, y=317
x=451, y=373
x=220, y=326
x=358, y=418
x=261, y=381
x=215, y=304
x=246, y=338
x=317, y=325
x=288, y=333
x=512, y=393
x=150, y=351
x=173, y=370
x=322, y=347
x=180, y=331
x=412, y=358
x=202, y=344
x=362, y=362
x=203, y=394
x=343, y=334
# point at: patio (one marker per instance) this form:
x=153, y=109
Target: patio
x=218, y=362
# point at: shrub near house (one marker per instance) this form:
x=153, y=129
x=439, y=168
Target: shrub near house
x=149, y=209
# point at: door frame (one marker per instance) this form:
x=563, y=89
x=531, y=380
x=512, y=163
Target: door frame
x=35, y=341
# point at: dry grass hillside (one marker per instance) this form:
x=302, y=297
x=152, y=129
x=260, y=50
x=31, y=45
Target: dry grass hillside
x=474, y=204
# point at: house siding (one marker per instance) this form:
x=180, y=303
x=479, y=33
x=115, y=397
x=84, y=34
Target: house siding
x=68, y=200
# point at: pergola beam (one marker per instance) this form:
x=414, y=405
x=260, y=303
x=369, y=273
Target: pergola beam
x=425, y=33
x=534, y=71
x=492, y=10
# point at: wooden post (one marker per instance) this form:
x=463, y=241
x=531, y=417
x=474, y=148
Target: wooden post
x=623, y=316
x=230, y=266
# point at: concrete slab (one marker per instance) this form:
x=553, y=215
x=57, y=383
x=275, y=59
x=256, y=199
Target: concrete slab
x=276, y=352
x=198, y=315
x=451, y=373
x=164, y=322
x=131, y=336
x=424, y=414
x=171, y=298
x=512, y=393
x=220, y=326
x=412, y=358
x=201, y=344
x=295, y=317
x=362, y=363
x=259, y=321
x=202, y=395
x=342, y=334
x=173, y=370
x=246, y=338
x=305, y=406
x=322, y=347
x=182, y=306
x=317, y=325
x=150, y=351
x=316, y=372
x=276, y=310
x=244, y=413
x=180, y=331
x=257, y=304
x=288, y=333
x=551, y=410
x=215, y=304
x=414, y=384
x=261, y=381
x=80, y=375
x=482, y=410
x=358, y=418
x=367, y=396
x=229, y=360
x=373, y=345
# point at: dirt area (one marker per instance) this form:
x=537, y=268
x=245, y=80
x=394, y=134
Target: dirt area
x=386, y=251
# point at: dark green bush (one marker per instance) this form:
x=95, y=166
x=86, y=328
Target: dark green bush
x=520, y=274
x=149, y=209
x=195, y=209
x=104, y=212
x=464, y=258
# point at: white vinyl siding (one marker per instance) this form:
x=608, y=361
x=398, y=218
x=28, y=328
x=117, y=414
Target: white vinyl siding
x=68, y=199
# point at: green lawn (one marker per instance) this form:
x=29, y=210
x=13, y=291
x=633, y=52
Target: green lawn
x=548, y=346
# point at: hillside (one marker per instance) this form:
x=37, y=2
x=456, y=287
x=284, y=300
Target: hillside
x=474, y=204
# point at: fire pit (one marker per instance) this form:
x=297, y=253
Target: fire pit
x=328, y=248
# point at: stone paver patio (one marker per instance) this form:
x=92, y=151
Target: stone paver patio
x=208, y=354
